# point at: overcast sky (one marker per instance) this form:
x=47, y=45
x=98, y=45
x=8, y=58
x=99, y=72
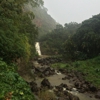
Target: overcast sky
x=65, y=11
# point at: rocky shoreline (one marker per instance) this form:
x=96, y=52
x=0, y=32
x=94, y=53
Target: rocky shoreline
x=63, y=91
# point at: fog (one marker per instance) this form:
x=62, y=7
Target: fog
x=65, y=11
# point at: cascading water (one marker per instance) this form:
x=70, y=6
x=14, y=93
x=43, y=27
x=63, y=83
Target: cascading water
x=37, y=46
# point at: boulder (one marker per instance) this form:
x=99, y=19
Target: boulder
x=59, y=88
x=48, y=71
x=46, y=83
x=97, y=95
x=34, y=87
x=64, y=78
x=92, y=88
x=73, y=97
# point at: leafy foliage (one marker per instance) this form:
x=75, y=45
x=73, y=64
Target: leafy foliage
x=52, y=43
x=17, y=32
x=12, y=86
x=86, y=40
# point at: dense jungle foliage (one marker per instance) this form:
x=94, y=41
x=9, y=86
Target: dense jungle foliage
x=17, y=33
x=74, y=41
x=17, y=39
x=86, y=42
x=12, y=86
x=52, y=43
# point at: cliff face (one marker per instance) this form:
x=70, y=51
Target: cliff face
x=43, y=20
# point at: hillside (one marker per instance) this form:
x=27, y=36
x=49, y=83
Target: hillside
x=86, y=42
x=43, y=20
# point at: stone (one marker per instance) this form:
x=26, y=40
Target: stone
x=63, y=98
x=97, y=95
x=92, y=88
x=34, y=87
x=73, y=97
x=46, y=83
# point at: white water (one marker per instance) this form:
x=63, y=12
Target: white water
x=37, y=46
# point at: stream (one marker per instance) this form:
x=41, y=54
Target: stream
x=56, y=80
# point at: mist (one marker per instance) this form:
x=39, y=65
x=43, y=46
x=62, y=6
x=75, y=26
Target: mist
x=65, y=11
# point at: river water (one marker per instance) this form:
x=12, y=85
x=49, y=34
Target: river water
x=56, y=80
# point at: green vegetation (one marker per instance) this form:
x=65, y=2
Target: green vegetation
x=12, y=86
x=17, y=32
x=17, y=39
x=90, y=67
x=86, y=42
x=52, y=43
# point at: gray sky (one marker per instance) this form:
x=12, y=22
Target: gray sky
x=65, y=11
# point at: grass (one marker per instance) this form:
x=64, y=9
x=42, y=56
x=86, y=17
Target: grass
x=46, y=95
x=90, y=67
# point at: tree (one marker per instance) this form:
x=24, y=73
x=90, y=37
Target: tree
x=52, y=43
x=17, y=32
x=87, y=38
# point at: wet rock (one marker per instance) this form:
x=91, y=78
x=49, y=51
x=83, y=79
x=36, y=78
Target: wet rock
x=82, y=90
x=48, y=60
x=70, y=75
x=63, y=85
x=97, y=95
x=69, y=87
x=92, y=88
x=34, y=87
x=59, y=88
x=41, y=75
x=77, y=84
x=67, y=96
x=64, y=78
x=46, y=83
x=73, y=97
x=46, y=73
x=63, y=98
x=81, y=86
x=63, y=70
x=74, y=89
x=38, y=70
x=32, y=83
x=49, y=71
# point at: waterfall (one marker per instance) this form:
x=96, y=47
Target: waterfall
x=37, y=46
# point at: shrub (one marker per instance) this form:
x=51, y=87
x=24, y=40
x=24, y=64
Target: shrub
x=12, y=86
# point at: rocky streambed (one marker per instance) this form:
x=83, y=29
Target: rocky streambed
x=65, y=85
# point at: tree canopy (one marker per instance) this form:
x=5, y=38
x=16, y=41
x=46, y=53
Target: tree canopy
x=52, y=43
x=86, y=41
x=17, y=32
